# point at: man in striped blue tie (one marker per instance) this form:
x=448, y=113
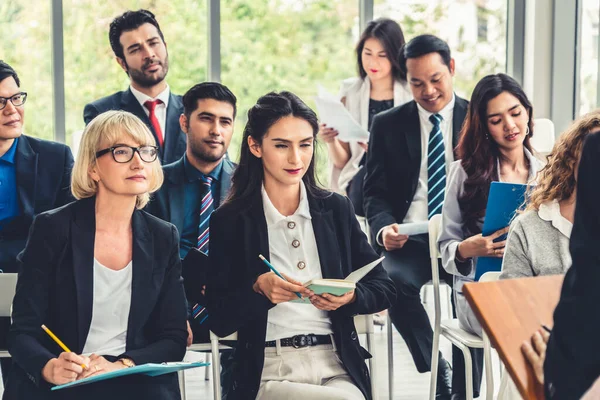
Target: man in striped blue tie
x=410, y=149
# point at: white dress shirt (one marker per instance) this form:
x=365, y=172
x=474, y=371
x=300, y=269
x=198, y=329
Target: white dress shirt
x=418, y=210
x=110, y=311
x=160, y=110
x=292, y=246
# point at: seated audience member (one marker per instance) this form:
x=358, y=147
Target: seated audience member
x=287, y=349
x=409, y=146
x=35, y=176
x=381, y=85
x=494, y=146
x=538, y=240
x=573, y=357
x=140, y=50
x=103, y=275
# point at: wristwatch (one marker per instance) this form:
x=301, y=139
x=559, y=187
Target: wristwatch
x=127, y=362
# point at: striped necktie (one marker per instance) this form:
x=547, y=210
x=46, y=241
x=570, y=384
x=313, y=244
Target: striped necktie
x=436, y=167
x=206, y=209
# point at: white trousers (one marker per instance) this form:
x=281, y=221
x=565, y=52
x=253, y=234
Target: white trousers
x=309, y=373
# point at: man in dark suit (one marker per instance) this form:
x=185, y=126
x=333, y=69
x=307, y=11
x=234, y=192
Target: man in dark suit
x=185, y=199
x=35, y=176
x=410, y=149
x=140, y=49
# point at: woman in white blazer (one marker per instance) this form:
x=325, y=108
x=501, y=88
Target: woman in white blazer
x=381, y=85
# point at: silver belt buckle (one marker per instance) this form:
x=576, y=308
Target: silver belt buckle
x=298, y=341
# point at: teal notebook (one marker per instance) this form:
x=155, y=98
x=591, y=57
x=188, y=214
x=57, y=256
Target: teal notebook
x=145, y=369
x=338, y=287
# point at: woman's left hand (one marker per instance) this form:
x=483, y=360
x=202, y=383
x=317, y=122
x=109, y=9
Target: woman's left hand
x=329, y=302
x=100, y=365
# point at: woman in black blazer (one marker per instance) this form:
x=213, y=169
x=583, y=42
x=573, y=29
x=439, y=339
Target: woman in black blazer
x=103, y=275
x=274, y=199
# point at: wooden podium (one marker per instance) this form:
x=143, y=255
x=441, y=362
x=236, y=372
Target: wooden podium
x=510, y=311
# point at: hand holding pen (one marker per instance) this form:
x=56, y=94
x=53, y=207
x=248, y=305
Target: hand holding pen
x=277, y=287
x=66, y=367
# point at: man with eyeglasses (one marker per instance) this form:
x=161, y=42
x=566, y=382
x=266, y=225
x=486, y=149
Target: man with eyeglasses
x=35, y=176
x=140, y=50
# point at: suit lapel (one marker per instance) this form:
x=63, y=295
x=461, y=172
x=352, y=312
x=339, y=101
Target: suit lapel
x=458, y=117
x=256, y=235
x=26, y=161
x=176, y=196
x=326, y=238
x=131, y=104
x=412, y=130
x=143, y=265
x=172, y=129
x=83, y=230
x=226, y=173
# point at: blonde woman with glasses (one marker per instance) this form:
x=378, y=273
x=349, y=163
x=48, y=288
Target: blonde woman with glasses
x=103, y=275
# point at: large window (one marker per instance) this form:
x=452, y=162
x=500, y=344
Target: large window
x=588, y=66
x=474, y=29
x=285, y=45
x=91, y=71
x=25, y=45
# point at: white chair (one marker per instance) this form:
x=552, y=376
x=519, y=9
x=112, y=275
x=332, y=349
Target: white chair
x=75, y=140
x=544, y=136
x=450, y=329
x=363, y=323
x=8, y=286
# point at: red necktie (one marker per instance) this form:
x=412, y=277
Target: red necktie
x=151, y=105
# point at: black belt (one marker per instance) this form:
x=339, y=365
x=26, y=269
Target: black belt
x=300, y=341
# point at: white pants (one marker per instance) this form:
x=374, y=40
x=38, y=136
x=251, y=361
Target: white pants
x=309, y=373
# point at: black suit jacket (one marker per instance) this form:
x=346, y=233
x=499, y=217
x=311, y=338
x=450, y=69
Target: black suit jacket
x=55, y=288
x=43, y=171
x=175, y=138
x=238, y=236
x=573, y=354
x=168, y=203
x=394, y=162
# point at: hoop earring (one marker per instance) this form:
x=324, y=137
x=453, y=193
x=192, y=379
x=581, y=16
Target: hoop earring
x=527, y=131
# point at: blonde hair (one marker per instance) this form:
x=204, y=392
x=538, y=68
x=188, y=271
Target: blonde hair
x=557, y=180
x=109, y=128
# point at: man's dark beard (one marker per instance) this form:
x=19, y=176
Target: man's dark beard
x=204, y=156
x=141, y=79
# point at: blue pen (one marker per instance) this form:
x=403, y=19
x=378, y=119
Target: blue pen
x=275, y=271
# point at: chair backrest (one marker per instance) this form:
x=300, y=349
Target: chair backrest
x=434, y=253
x=434, y=231
x=543, y=138
x=8, y=286
x=364, y=324
x=75, y=140
x=490, y=276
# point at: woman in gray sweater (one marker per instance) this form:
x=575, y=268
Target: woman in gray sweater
x=538, y=241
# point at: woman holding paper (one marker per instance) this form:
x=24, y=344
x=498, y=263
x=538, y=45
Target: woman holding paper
x=538, y=240
x=103, y=275
x=288, y=349
x=381, y=85
x=494, y=146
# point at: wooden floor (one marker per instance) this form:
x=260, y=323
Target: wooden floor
x=408, y=383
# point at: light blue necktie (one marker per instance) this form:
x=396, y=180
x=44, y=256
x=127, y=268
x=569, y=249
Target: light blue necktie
x=436, y=167
x=206, y=209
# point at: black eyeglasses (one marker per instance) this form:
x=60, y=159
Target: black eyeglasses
x=124, y=154
x=17, y=100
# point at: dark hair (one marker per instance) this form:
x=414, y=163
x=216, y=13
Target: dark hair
x=267, y=111
x=6, y=71
x=421, y=45
x=207, y=90
x=390, y=35
x=478, y=152
x=129, y=21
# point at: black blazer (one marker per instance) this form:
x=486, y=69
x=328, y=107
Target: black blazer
x=168, y=203
x=573, y=354
x=175, y=138
x=43, y=171
x=238, y=236
x=55, y=287
x=394, y=162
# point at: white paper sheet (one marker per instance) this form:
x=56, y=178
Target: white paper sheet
x=333, y=113
x=413, y=228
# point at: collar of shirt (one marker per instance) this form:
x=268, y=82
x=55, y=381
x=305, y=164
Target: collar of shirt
x=142, y=98
x=445, y=112
x=550, y=211
x=273, y=216
x=9, y=156
x=192, y=174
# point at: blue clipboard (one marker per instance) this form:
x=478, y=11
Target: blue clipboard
x=503, y=202
x=145, y=369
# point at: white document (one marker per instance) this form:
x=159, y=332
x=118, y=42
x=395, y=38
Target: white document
x=361, y=272
x=413, y=228
x=333, y=113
